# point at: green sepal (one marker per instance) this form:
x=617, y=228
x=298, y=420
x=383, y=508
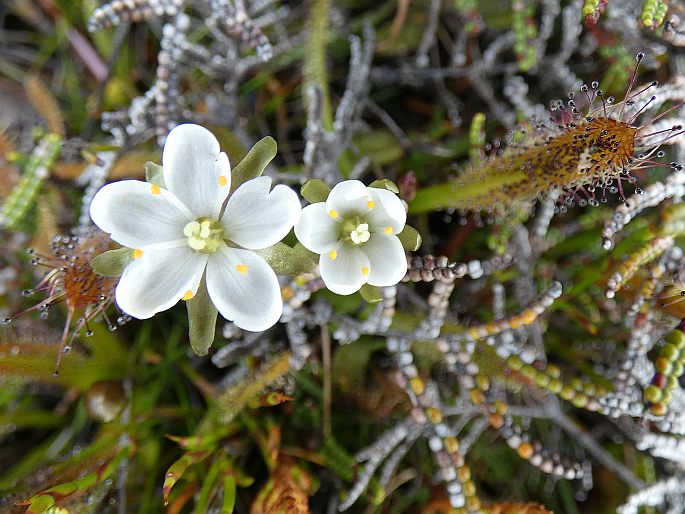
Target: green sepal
x=201, y=320
x=315, y=190
x=410, y=238
x=371, y=294
x=255, y=162
x=153, y=174
x=385, y=184
x=112, y=262
x=286, y=260
x=305, y=252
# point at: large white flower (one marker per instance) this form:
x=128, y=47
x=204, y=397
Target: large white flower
x=183, y=231
x=354, y=231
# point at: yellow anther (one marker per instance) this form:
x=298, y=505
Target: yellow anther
x=388, y=230
x=333, y=213
x=365, y=270
x=222, y=180
x=333, y=255
x=370, y=204
x=137, y=253
x=154, y=189
x=242, y=268
x=187, y=295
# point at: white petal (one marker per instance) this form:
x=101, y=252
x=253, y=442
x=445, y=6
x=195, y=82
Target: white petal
x=316, y=230
x=195, y=170
x=158, y=279
x=348, y=197
x=244, y=288
x=388, y=211
x=387, y=259
x=256, y=218
x=137, y=214
x=347, y=272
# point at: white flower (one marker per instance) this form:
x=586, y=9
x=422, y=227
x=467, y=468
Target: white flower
x=180, y=234
x=354, y=231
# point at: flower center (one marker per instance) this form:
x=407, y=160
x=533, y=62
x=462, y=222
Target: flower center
x=355, y=232
x=204, y=235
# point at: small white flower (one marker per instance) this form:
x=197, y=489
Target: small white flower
x=180, y=234
x=354, y=231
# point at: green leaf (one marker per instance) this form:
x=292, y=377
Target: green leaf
x=254, y=163
x=112, y=262
x=228, y=503
x=454, y=195
x=209, y=484
x=153, y=174
x=315, y=190
x=381, y=146
x=40, y=504
x=372, y=294
x=202, y=320
x=288, y=261
x=385, y=184
x=178, y=469
x=410, y=238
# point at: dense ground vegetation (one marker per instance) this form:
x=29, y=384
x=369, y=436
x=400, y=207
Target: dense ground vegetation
x=529, y=361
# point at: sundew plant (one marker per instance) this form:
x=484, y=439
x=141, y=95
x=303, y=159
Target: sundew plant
x=273, y=257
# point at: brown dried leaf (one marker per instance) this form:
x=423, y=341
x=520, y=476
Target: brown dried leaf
x=440, y=505
x=285, y=492
x=8, y=179
x=132, y=165
x=68, y=170
x=45, y=103
x=6, y=145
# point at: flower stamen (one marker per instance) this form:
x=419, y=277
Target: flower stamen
x=155, y=189
x=360, y=234
x=187, y=295
x=242, y=268
x=204, y=235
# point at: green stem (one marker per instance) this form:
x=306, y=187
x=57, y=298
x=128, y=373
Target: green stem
x=315, y=72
